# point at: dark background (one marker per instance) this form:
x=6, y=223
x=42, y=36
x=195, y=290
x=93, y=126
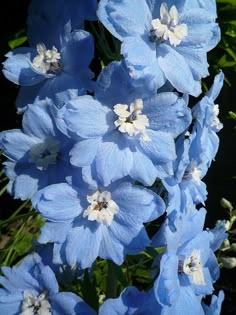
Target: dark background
x=219, y=180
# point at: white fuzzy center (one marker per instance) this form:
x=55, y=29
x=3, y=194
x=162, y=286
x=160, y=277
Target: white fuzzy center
x=168, y=27
x=193, y=172
x=45, y=153
x=192, y=266
x=131, y=120
x=47, y=61
x=35, y=305
x=102, y=208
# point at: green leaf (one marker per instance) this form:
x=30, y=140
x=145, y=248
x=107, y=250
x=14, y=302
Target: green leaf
x=232, y=115
x=17, y=42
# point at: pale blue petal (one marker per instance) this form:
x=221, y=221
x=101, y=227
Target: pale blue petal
x=160, y=149
x=58, y=202
x=113, y=149
x=84, y=152
x=171, y=62
x=87, y=117
x=17, y=67
x=83, y=244
x=143, y=169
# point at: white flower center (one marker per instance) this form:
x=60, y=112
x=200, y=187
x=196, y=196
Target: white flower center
x=193, y=172
x=216, y=124
x=168, y=27
x=35, y=305
x=45, y=153
x=192, y=266
x=102, y=208
x=47, y=61
x=132, y=121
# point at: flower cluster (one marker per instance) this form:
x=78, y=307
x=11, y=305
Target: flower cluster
x=101, y=154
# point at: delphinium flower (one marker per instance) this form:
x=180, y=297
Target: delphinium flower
x=195, y=151
x=134, y=302
x=188, y=267
x=215, y=307
x=133, y=132
x=32, y=289
x=165, y=40
x=207, y=124
x=85, y=223
x=57, y=71
x=50, y=15
x=38, y=154
x=131, y=301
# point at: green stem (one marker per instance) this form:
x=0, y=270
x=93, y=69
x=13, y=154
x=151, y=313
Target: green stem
x=111, y=281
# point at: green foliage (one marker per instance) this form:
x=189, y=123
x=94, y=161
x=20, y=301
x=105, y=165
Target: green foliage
x=224, y=56
x=19, y=39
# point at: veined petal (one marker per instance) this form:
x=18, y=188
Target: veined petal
x=58, y=202
x=83, y=244
x=113, y=149
x=87, y=117
x=171, y=62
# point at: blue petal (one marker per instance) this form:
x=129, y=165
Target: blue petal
x=161, y=148
x=125, y=18
x=113, y=149
x=17, y=67
x=87, y=117
x=70, y=303
x=143, y=169
x=78, y=52
x=163, y=109
x=34, y=126
x=15, y=144
x=83, y=244
x=171, y=62
x=58, y=202
x=52, y=232
x=84, y=152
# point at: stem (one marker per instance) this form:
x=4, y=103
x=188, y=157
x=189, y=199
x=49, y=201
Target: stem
x=111, y=280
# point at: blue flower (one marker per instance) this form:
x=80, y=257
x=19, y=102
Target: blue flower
x=189, y=262
x=38, y=155
x=58, y=71
x=50, y=17
x=31, y=288
x=167, y=41
x=131, y=301
x=207, y=124
x=127, y=129
x=215, y=307
x=105, y=222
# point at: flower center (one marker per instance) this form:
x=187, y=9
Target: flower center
x=193, y=172
x=192, y=266
x=216, y=124
x=35, y=305
x=132, y=121
x=47, y=61
x=102, y=208
x=45, y=153
x=168, y=27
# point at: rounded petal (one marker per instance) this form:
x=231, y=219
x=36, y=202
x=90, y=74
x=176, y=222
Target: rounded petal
x=83, y=244
x=112, y=150
x=171, y=62
x=87, y=117
x=58, y=202
x=17, y=67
